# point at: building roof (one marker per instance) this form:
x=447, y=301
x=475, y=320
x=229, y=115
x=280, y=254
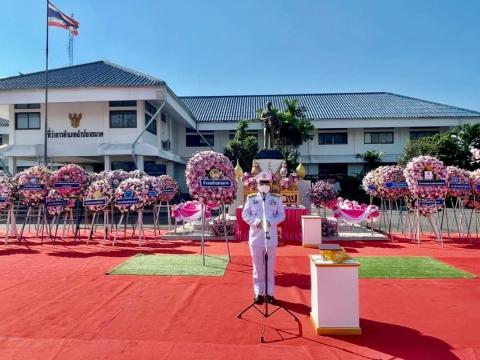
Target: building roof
x=370, y=105
x=94, y=74
x=3, y=122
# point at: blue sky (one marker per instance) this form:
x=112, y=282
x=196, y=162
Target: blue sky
x=427, y=49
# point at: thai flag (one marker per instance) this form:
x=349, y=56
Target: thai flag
x=59, y=19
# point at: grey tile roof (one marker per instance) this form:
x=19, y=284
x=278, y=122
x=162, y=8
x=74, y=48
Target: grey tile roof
x=95, y=74
x=3, y=122
x=323, y=106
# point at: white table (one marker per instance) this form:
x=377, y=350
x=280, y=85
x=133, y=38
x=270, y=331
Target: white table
x=334, y=297
x=311, y=230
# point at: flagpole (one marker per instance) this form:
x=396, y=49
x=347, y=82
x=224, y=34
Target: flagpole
x=45, y=159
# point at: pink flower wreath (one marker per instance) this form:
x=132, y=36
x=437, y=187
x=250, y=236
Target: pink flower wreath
x=210, y=177
x=430, y=193
x=168, y=188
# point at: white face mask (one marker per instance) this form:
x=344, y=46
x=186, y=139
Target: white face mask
x=264, y=189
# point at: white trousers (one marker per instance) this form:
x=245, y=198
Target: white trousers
x=259, y=269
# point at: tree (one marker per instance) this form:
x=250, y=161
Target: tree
x=452, y=147
x=295, y=129
x=417, y=147
x=371, y=160
x=242, y=147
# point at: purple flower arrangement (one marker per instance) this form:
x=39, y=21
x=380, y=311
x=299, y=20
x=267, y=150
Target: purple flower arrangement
x=70, y=180
x=211, y=177
x=6, y=193
x=426, y=177
x=458, y=181
x=290, y=182
x=34, y=184
x=131, y=195
x=329, y=227
x=391, y=183
x=167, y=188
x=249, y=182
x=323, y=194
x=55, y=197
x=101, y=191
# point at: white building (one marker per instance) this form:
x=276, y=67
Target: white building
x=98, y=111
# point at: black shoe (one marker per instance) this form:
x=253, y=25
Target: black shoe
x=271, y=299
x=258, y=299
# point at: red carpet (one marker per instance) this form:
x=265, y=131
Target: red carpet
x=57, y=303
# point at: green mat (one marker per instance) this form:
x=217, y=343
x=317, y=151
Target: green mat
x=408, y=267
x=172, y=265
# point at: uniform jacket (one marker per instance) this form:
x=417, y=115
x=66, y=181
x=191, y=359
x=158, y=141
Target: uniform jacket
x=253, y=214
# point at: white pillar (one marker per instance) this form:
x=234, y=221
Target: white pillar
x=170, y=169
x=107, y=162
x=140, y=160
x=12, y=165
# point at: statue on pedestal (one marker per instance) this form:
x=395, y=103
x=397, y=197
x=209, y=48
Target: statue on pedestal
x=271, y=126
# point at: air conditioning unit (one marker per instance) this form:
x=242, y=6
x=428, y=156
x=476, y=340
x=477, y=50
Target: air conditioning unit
x=166, y=145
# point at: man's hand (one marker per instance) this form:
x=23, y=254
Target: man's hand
x=258, y=223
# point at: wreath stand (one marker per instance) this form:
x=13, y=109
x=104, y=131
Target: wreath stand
x=11, y=225
x=40, y=217
x=474, y=217
x=202, y=245
x=156, y=216
x=107, y=226
x=139, y=224
x=436, y=226
x=459, y=217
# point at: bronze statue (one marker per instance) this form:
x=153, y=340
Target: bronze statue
x=271, y=126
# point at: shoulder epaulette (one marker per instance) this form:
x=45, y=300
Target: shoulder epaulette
x=276, y=195
x=251, y=195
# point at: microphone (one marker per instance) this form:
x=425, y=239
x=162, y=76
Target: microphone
x=264, y=217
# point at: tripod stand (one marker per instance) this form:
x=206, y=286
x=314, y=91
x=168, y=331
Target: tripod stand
x=265, y=311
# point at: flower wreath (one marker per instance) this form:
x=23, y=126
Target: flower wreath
x=289, y=182
x=168, y=188
x=34, y=184
x=70, y=180
x=323, y=194
x=426, y=177
x=249, y=182
x=56, y=204
x=210, y=177
x=131, y=195
x=137, y=174
x=153, y=186
x=474, y=199
x=6, y=193
x=391, y=183
x=115, y=177
x=459, y=183
x=98, y=195
x=368, y=183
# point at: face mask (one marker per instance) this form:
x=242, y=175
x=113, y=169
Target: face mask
x=264, y=189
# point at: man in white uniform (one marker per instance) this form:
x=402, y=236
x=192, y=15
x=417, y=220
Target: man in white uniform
x=253, y=216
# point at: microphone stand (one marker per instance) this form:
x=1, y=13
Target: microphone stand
x=265, y=313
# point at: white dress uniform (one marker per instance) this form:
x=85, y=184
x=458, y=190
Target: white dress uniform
x=253, y=214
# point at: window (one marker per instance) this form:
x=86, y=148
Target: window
x=378, y=137
x=150, y=108
x=124, y=103
x=27, y=106
x=123, y=119
x=333, y=138
x=415, y=134
x=192, y=139
x=27, y=121
x=332, y=171
x=254, y=133
x=153, y=126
